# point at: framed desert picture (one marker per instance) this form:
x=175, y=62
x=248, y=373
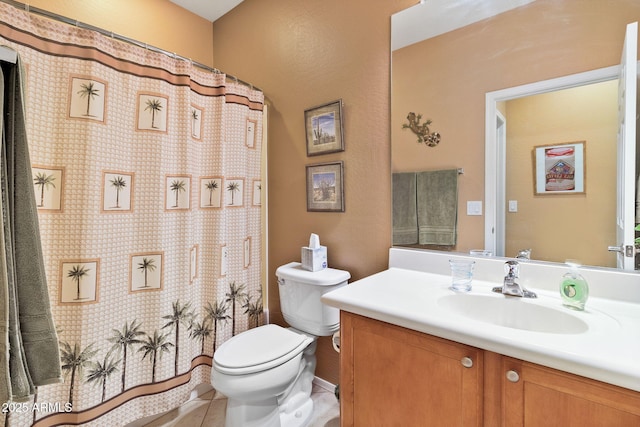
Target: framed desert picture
x=325, y=187
x=559, y=168
x=323, y=126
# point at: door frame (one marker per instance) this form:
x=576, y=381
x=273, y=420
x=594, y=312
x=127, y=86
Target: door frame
x=495, y=147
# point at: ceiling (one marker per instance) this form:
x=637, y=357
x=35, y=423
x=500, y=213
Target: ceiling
x=434, y=17
x=425, y=19
x=211, y=10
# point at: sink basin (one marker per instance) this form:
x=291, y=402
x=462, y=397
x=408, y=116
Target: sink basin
x=516, y=313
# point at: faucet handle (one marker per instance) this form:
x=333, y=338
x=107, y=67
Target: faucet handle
x=512, y=268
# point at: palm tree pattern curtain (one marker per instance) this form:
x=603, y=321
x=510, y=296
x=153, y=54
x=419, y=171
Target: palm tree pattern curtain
x=146, y=173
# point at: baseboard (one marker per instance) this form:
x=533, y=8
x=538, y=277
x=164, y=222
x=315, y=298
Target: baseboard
x=324, y=384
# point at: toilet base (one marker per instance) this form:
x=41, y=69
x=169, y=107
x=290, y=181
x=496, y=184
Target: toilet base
x=298, y=418
x=262, y=413
x=267, y=413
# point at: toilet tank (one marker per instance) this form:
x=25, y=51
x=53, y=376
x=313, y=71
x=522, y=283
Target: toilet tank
x=300, y=293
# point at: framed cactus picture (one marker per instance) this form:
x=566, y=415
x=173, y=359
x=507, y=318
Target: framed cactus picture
x=323, y=126
x=325, y=187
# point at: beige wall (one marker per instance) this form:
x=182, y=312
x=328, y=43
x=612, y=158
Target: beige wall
x=158, y=23
x=561, y=226
x=303, y=54
x=446, y=79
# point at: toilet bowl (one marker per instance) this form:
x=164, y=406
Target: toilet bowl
x=267, y=372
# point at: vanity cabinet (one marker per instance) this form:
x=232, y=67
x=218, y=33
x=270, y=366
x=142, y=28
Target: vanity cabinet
x=533, y=395
x=393, y=376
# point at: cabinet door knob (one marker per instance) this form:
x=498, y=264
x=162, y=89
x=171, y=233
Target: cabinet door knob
x=513, y=376
x=467, y=362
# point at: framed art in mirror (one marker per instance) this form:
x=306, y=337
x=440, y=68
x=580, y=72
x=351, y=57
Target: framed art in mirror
x=324, y=130
x=325, y=187
x=559, y=168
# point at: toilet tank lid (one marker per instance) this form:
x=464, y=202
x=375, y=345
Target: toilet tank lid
x=325, y=277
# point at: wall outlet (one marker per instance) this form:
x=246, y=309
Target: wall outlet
x=474, y=207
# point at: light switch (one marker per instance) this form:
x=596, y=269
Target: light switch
x=513, y=206
x=474, y=207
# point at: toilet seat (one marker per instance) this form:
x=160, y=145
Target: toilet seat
x=259, y=349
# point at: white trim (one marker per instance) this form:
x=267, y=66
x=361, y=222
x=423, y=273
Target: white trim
x=324, y=384
x=492, y=168
x=264, y=207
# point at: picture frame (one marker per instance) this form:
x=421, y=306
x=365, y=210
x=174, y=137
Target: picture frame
x=559, y=169
x=325, y=187
x=324, y=128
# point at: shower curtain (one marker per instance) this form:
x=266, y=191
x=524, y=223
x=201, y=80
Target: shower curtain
x=146, y=171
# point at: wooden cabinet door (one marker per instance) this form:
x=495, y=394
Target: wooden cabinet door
x=392, y=376
x=539, y=396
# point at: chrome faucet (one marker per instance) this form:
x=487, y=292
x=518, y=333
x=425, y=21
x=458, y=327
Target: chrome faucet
x=510, y=286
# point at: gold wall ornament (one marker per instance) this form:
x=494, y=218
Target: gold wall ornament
x=422, y=130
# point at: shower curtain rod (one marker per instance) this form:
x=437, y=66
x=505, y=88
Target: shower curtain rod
x=119, y=37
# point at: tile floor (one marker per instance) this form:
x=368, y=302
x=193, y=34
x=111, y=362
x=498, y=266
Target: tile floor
x=208, y=410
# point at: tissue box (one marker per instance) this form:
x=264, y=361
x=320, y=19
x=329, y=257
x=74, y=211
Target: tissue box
x=314, y=259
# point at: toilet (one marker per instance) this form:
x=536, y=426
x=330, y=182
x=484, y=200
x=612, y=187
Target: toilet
x=267, y=372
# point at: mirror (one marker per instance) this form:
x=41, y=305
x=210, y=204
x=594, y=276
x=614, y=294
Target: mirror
x=446, y=74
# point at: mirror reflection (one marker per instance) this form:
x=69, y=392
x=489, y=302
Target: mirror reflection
x=446, y=77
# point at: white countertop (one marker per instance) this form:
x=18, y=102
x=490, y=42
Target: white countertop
x=608, y=351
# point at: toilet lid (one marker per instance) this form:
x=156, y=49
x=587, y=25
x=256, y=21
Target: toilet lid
x=259, y=349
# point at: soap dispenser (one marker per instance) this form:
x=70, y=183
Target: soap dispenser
x=574, y=289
